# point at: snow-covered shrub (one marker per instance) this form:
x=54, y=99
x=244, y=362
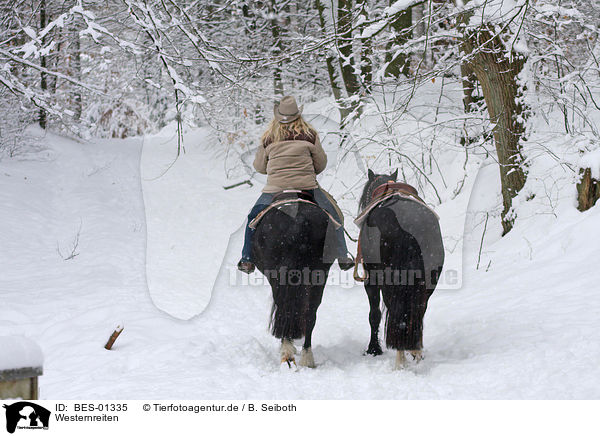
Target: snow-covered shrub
x=14, y=139
x=121, y=120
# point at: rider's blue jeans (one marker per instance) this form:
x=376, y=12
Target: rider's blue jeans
x=265, y=199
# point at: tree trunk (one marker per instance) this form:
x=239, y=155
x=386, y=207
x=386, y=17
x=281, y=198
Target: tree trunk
x=366, y=53
x=469, y=85
x=43, y=78
x=277, y=50
x=400, y=26
x=497, y=73
x=419, y=30
x=331, y=70
x=76, y=59
x=588, y=190
x=417, y=14
x=346, y=58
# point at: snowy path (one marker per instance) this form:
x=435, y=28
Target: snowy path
x=525, y=329
x=185, y=215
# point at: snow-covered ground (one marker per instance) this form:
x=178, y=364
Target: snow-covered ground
x=188, y=219
x=523, y=325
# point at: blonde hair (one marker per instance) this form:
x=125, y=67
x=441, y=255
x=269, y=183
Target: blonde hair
x=277, y=131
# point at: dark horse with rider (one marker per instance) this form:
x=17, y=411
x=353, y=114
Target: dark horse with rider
x=295, y=233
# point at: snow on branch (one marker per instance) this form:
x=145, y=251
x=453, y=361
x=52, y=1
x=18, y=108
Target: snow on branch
x=390, y=14
x=29, y=64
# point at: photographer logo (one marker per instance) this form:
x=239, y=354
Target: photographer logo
x=26, y=415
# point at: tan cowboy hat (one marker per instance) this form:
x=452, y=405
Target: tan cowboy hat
x=287, y=110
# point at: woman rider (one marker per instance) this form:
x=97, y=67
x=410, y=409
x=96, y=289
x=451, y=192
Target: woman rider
x=291, y=155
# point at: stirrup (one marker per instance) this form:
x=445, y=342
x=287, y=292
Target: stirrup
x=245, y=266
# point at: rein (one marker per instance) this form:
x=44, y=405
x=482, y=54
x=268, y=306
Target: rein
x=358, y=259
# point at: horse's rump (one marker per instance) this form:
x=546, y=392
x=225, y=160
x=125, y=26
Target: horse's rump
x=390, y=222
x=294, y=249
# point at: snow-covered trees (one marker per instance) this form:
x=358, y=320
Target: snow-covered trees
x=124, y=67
x=488, y=50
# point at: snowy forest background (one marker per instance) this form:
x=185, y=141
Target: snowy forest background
x=123, y=68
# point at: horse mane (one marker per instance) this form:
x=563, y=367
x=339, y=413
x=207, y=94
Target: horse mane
x=373, y=182
x=364, y=198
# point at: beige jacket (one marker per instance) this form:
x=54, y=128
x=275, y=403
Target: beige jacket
x=291, y=164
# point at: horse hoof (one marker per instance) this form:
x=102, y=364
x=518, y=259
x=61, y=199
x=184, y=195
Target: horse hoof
x=287, y=352
x=417, y=355
x=289, y=361
x=374, y=351
x=307, y=359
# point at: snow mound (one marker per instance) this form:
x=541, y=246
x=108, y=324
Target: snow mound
x=19, y=352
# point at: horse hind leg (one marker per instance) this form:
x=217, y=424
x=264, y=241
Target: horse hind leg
x=374, y=293
x=404, y=325
x=287, y=352
x=400, y=362
x=306, y=357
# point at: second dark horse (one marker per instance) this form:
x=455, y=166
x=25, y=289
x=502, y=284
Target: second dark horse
x=291, y=248
x=403, y=254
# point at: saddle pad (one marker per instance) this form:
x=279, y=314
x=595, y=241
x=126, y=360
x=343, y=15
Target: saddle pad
x=255, y=221
x=361, y=217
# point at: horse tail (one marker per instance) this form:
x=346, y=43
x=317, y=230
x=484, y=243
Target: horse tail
x=291, y=292
x=288, y=314
x=404, y=318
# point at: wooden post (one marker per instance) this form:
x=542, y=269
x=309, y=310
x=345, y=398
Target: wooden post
x=113, y=337
x=20, y=383
x=19, y=374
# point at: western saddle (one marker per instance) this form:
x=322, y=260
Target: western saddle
x=290, y=196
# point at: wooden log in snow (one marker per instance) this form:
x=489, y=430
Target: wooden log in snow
x=588, y=190
x=113, y=337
